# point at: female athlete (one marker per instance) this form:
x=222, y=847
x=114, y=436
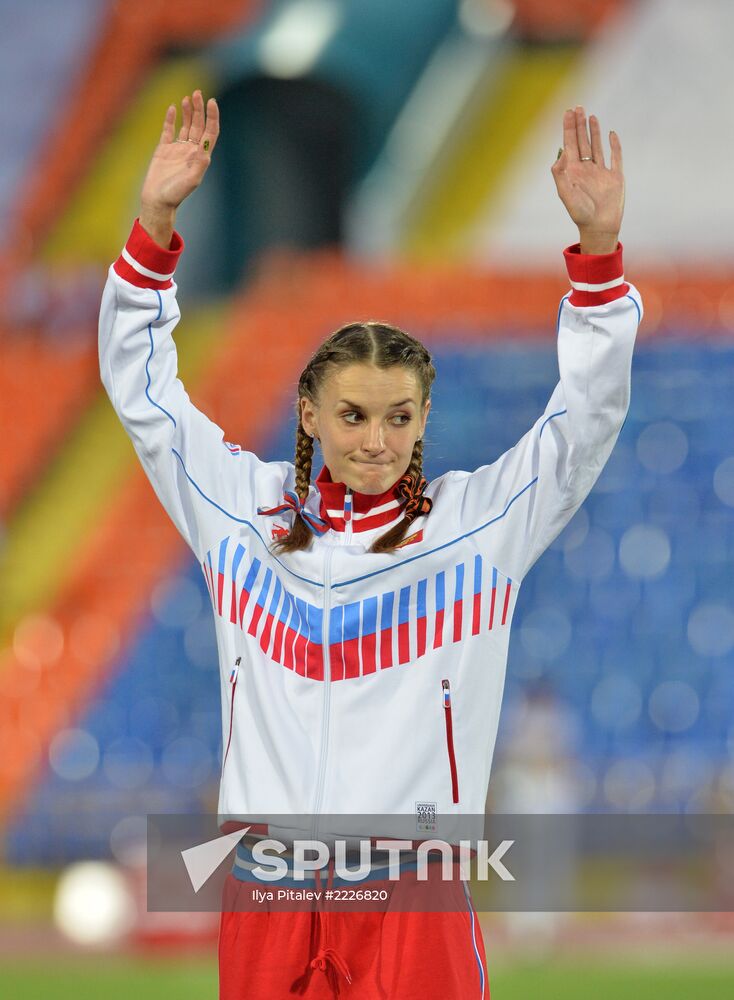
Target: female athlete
x=363, y=617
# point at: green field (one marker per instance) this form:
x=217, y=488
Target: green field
x=159, y=979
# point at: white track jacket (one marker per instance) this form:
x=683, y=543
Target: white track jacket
x=352, y=682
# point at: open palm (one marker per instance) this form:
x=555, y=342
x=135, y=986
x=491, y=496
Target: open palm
x=592, y=192
x=179, y=164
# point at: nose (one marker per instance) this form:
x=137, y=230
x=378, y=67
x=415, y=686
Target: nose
x=373, y=442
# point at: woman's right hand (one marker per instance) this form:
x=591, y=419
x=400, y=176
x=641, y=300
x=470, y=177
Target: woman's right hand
x=178, y=164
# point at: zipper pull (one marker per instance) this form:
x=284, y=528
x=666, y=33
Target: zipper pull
x=235, y=669
x=446, y=694
x=348, y=506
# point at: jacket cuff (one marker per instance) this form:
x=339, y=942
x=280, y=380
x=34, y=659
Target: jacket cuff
x=595, y=278
x=145, y=263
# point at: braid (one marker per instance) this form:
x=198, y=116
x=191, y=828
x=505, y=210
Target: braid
x=389, y=541
x=299, y=537
x=416, y=460
x=304, y=458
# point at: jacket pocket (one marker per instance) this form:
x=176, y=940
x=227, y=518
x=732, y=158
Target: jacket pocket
x=446, y=694
x=233, y=687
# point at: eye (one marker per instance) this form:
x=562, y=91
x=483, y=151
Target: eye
x=400, y=419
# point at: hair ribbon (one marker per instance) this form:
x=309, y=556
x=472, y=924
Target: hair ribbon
x=291, y=501
x=413, y=490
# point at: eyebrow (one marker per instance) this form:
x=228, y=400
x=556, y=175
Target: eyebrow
x=356, y=406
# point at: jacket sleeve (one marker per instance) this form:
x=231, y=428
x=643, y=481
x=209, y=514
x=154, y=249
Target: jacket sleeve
x=195, y=473
x=539, y=484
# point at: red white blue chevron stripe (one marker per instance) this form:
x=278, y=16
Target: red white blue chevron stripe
x=380, y=632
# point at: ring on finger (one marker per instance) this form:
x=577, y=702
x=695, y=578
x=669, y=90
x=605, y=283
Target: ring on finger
x=584, y=158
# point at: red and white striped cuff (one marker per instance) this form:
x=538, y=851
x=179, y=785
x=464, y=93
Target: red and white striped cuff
x=145, y=263
x=595, y=278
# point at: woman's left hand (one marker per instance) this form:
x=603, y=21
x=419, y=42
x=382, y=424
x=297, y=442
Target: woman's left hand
x=592, y=192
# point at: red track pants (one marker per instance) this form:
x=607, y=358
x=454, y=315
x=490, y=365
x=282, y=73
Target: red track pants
x=320, y=955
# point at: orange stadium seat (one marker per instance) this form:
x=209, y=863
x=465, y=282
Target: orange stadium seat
x=43, y=389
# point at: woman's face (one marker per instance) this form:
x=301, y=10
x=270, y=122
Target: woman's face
x=367, y=420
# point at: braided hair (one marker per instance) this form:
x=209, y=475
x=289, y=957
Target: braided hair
x=384, y=346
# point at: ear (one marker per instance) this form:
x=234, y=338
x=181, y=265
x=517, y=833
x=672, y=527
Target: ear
x=308, y=416
x=424, y=417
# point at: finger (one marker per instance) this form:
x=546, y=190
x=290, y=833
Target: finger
x=183, y=132
x=582, y=134
x=169, y=124
x=197, y=118
x=211, y=132
x=570, y=142
x=560, y=164
x=597, y=149
x=616, y=147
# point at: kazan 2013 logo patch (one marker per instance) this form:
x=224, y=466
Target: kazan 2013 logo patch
x=425, y=817
x=278, y=531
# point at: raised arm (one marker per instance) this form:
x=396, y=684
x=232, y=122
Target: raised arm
x=204, y=483
x=536, y=487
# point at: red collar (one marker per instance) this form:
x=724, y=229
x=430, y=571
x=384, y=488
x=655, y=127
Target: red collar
x=368, y=511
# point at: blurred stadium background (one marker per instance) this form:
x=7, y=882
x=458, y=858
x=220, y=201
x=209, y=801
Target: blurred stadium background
x=383, y=160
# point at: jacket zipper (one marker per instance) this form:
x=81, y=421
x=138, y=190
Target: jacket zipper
x=327, y=693
x=233, y=682
x=446, y=692
x=348, y=516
